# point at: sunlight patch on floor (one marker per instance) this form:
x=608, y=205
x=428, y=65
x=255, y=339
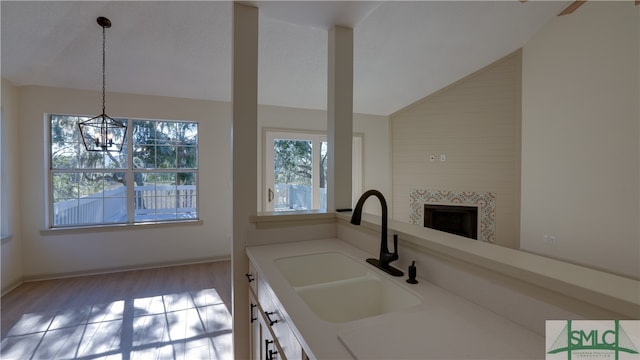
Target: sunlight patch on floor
x=189, y=325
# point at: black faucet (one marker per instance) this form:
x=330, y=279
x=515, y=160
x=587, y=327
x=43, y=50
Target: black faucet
x=386, y=257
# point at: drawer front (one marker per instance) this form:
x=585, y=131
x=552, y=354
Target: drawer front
x=277, y=323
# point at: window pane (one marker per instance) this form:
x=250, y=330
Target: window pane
x=166, y=157
x=89, y=198
x=115, y=198
x=187, y=157
x=68, y=151
x=292, y=174
x=91, y=184
x=65, y=199
x=65, y=156
x=144, y=132
x=116, y=160
x=97, y=183
x=166, y=133
x=90, y=159
x=187, y=133
x=64, y=129
x=65, y=186
x=187, y=199
x=323, y=175
x=165, y=196
x=144, y=139
x=144, y=157
x=165, y=144
x=65, y=141
x=102, y=160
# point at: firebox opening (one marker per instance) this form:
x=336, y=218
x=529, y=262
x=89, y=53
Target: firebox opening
x=459, y=220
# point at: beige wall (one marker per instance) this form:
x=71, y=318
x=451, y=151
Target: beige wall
x=83, y=251
x=580, y=146
x=476, y=123
x=11, y=266
x=46, y=254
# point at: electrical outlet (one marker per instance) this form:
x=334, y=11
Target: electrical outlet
x=549, y=239
x=443, y=157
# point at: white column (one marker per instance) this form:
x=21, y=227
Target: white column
x=340, y=117
x=245, y=162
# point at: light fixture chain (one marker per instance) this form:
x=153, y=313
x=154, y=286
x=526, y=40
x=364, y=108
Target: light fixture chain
x=103, y=69
x=102, y=133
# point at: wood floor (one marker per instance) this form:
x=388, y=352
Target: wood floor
x=181, y=312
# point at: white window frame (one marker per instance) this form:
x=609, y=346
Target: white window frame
x=129, y=172
x=268, y=137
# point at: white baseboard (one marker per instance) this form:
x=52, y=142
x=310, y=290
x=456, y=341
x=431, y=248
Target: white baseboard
x=10, y=287
x=53, y=276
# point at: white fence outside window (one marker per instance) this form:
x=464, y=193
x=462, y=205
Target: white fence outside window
x=152, y=203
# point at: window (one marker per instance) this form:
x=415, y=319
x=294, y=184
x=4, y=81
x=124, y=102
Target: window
x=154, y=178
x=296, y=170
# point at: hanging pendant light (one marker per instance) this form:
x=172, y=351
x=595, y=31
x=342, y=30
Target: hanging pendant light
x=103, y=133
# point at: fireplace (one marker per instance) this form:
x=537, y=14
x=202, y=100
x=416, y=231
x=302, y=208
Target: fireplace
x=485, y=202
x=454, y=219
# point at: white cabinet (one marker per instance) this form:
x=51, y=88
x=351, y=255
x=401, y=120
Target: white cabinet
x=271, y=336
x=255, y=328
x=263, y=345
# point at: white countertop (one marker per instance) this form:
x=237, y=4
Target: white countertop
x=443, y=326
x=614, y=293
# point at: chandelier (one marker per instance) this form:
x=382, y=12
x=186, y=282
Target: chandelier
x=103, y=133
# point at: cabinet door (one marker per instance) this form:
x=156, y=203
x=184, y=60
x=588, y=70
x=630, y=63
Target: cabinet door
x=263, y=344
x=287, y=341
x=270, y=350
x=255, y=329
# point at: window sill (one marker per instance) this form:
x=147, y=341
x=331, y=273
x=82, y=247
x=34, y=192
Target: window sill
x=265, y=220
x=118, y=227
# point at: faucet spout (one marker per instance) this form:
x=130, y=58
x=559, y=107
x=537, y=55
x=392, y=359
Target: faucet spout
x=386, y=257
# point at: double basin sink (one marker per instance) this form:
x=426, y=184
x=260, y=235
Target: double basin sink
x=339, y=288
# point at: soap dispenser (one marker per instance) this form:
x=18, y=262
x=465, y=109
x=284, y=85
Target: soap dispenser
x=412, y=273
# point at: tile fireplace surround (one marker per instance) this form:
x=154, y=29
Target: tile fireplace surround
x=485, y=201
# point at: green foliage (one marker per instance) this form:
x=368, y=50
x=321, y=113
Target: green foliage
x=292, y=162
x=156, y=145
x=65, y=187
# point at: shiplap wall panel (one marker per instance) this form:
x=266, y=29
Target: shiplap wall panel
x=476, y=123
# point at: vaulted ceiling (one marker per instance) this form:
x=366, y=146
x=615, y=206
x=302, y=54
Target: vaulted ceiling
x=403, y=51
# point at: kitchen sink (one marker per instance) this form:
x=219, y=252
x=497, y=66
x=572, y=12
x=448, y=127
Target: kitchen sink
x=339, y=288
x=319, y=268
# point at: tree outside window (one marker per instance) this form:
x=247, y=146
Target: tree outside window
x=153, y=179
x=295, y=176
